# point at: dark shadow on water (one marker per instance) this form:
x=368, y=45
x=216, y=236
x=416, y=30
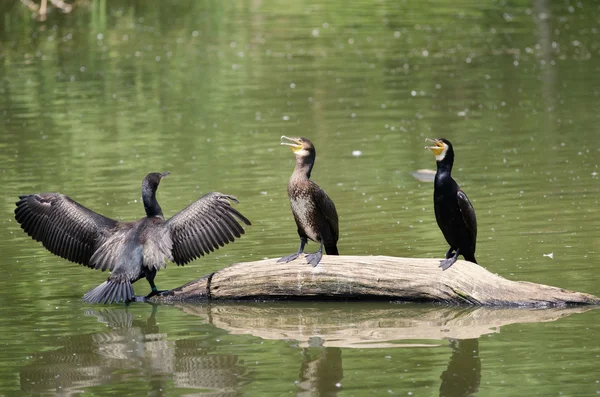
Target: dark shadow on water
x=136, y=353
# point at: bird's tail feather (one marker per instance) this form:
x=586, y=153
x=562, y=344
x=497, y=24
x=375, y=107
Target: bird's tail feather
x=470, y=258
x=331, y=250
x=110, y=292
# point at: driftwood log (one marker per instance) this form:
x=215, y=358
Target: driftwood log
x=372, y=278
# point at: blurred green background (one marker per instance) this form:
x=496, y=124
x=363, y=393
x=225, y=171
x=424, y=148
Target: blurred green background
x=93, y=100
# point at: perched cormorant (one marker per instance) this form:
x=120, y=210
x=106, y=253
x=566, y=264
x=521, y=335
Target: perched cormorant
x=130, y=250
x=313, y=210
x=453, y=211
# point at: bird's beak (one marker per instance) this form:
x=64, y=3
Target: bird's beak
x=438, y=147
x=294, y=143
x=164, y=174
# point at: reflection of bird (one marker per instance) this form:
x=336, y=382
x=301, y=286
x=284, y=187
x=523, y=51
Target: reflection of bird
x=314, y=212
x=130, y=250
x=132, y=347
x=463, y=375
x=320, y=372
x=42, y=9
x=453, y=211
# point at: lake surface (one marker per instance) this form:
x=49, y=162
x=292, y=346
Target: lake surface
x=92, y=101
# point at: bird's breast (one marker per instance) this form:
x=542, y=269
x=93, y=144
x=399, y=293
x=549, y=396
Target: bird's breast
x=304, y=210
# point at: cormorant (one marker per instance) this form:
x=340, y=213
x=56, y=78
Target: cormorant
x=130, y=250
x=453, y=211
x=313, y=210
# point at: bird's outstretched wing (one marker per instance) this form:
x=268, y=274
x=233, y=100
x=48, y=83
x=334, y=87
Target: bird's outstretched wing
x=64, y=227
x=203, y=226
x=468, y=215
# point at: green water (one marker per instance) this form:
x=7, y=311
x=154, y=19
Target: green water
x=92, y=101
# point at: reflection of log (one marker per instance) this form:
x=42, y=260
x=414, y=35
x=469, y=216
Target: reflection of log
x=375, y=278
x=367, y=325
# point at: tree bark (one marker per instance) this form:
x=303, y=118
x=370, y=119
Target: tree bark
x=372, y=278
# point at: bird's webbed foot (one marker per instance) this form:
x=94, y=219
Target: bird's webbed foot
x=450, y=253
x=289, y=258
x=314, y=258
x=446, y=263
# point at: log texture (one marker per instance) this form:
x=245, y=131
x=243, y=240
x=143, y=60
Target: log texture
x=373, y=278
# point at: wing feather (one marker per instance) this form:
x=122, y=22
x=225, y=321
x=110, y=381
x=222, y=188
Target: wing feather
x=205, y=225
x=225, y=232
x=208, y=234
x=468, y=215
x=232, y=228
x=63, y=226
x=327, y=208
x=217, y=235
x=198, y=244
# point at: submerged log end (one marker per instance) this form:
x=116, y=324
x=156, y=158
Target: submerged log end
x=373, y=278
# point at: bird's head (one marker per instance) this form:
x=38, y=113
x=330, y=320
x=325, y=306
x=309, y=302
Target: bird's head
x=302, y=147
x=441, y=147
x=152, y=180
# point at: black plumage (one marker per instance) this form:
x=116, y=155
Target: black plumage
x=453, y=211
x=314, y=212
x=129, y=250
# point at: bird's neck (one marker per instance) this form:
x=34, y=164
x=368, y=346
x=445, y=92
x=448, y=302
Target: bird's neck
x=303, y=168
x=151, y=205
x=444, y=167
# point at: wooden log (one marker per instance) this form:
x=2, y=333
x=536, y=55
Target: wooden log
x=373, y=278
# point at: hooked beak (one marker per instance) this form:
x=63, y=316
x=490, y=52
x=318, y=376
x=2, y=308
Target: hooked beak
x=164, y=174
x=438, y=147
x=294, y=143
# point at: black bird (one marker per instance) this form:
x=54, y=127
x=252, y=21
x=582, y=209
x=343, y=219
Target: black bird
x=313, y=210
x=453, y=211
x=130, y=250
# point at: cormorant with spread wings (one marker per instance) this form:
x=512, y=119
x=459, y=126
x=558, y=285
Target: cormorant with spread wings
x=129, y=250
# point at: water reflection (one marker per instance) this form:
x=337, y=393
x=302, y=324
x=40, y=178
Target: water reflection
x=133, y=351
x=463, y=375
x=370, y=325
x=139, y=353
x=321, y=371
x=324, y=331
